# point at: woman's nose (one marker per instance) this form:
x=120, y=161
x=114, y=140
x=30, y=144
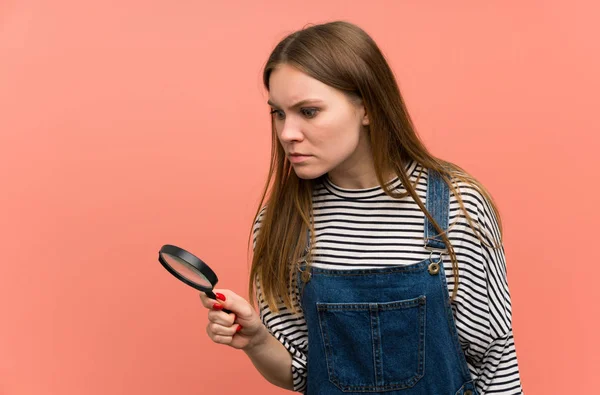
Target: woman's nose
x=291, y=132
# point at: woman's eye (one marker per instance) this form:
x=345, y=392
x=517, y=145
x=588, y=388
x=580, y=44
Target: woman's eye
x=277, y=113
x=312, y=112
x=308, y=112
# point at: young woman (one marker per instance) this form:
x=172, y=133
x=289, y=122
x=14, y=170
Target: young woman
x=378, y=267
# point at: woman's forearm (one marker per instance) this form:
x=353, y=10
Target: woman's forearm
x=272, y=360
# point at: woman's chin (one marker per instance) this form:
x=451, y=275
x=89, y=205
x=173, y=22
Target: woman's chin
x=308, y=174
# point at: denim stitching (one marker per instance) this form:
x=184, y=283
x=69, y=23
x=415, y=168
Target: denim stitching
x=410, y=269
x=419, y=303
x=329, y=360
x=452, y=327
x=376, y=343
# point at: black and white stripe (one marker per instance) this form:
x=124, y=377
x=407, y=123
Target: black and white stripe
x=368, y=229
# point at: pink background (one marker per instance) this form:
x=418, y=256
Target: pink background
x=129, y=124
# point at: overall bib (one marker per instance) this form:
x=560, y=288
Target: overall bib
x=387, y=330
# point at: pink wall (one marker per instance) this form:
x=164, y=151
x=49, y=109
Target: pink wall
x=129, y=125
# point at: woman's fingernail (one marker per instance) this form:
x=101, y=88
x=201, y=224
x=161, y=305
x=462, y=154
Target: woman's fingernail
x=239, y=328
x=217, y=306
x=220, y=296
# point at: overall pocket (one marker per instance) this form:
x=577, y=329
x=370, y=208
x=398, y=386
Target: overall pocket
x=372, y=347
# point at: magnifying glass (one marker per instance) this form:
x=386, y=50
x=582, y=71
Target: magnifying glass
x=189, y=269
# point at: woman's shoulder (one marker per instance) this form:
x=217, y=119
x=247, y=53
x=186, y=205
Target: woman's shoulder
x=470, y=190
x=478, y=203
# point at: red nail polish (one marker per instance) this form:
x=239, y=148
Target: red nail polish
x=220, y=296
x=217, y=306
x=239, y=328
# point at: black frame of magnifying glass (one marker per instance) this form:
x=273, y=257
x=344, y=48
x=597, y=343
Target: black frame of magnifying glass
x=192, y=260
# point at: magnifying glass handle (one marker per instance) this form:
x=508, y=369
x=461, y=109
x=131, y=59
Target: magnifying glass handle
x=211, y=295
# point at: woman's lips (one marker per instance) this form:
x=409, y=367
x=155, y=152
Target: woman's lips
x=298, y=158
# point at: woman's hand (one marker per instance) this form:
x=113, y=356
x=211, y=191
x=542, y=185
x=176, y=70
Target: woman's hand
x=268, y=354
x=241, y=329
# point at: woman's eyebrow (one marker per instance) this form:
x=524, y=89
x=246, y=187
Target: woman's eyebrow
x=300, y=103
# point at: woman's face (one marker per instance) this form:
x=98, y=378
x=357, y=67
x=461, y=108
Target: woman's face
x=328, y=130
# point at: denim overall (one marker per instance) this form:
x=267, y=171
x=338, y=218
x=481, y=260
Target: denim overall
x=386, y=330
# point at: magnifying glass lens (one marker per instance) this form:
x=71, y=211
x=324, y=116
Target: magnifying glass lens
x=189, y=268
x=186, y=270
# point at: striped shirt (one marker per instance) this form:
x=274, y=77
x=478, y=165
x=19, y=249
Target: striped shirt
x=365, y=228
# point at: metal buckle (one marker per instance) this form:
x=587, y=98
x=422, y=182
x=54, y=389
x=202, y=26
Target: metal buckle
x=434, y=265
x=305, y=274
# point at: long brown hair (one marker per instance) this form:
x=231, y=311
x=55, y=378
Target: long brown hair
x=345, y=57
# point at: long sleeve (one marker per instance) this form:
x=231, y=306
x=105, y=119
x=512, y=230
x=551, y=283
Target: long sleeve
x=493, y=359
x=288, y=328
x=291, y=331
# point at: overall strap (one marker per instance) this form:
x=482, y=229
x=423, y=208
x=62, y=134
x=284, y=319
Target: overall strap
x=307, y=240
x=438, y=202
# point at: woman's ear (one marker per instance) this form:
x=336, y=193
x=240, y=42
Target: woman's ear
x=365, y=120
x=359, y=107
